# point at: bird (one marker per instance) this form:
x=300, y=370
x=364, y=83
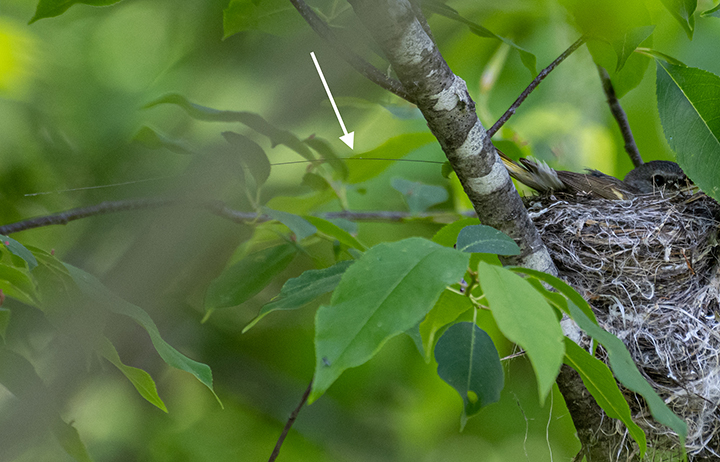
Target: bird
x=648, y=178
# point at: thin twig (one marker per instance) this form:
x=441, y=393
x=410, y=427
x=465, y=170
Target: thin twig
x=215, y=207
x=360, y=65
x=536, y=81
x=621, y=118
x=289, y=423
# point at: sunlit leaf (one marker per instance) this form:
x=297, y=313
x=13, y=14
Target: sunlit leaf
x=383, y=294
x=626, y=45
x=690, y=114
x=249, y=119
x=247, y=277
x=418, y=196
x=600, y=382
x=486, y=239
x=392, y=149
x=528, y=59
x=682, y=11
x=19, y=250
x=468, y=361
x=524, y=317
x=715, y=12
x=449, y=306
x=331, y=229
x=277, y=17
x=105, y=298
x=140, y=379
x=52, y=8
x=298, y=292
x=297, y=224
x=608, y=20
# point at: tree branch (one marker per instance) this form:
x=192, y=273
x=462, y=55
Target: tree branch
x=289, y=423
x=360, y=65
x=450, y=114
x=621, y=118
x=536, y=81
x=218, y=208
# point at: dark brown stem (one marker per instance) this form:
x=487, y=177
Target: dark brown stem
x=216, y=207
x=289, y=423
x=536, y=81
x=360, y=65
x=621, y=118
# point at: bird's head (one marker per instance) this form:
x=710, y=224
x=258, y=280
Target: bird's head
x=657, y=175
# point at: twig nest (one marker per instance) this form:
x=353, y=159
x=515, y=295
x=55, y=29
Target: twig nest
x=649, y=268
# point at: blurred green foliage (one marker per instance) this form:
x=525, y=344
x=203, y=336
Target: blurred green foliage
x=72, y=92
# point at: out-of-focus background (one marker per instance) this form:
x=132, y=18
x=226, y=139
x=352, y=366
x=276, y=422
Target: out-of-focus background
x=72, y=92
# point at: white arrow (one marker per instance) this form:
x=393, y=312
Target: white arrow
x=347, y=138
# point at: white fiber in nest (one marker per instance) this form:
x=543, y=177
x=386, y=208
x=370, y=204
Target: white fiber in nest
x=649, y=268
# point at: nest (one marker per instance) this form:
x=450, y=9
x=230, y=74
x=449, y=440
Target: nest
x=649, y=268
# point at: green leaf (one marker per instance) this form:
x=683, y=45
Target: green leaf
x=418, y=196
x=4, y=317
x=627, y=372
x=448, y=234
x=15, y=283
x=562, y=287
x=600, y=382
x=18, y=375
x=52, y=8
x=626, y=45
x=140, y=379
x=331, y=229
x=446, y=169
x=682, y=11
x=247, y=277
x=152, y=139
x=385, y=293
x=389, y=151
x=524, y=317
x=449, y=306
x=608, y=20
x=328, y=154
x=315, y=181
x=298, y=292
x=96, y=291
x=249, y=119
x=660, y=55
x=690, y=114
x=19, y=250
x=631, y=75
x=252, y=156
x=712, y=12
x=528, y=59
x=276, y=17
x=468, y=361
x=486, y=239
x=297, y=224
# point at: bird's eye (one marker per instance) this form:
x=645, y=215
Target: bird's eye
x=658, y=181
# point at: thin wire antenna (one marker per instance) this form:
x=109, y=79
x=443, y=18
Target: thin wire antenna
x=85, y=188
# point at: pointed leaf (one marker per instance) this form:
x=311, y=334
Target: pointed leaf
x=140, y=379
x=16, y=284
x=152, y=139
x=297, y=224
x=486, y=239
x=627, y=372
x=392, y=149
x=277, y=17
x=449, y=306
x=252, y=156
x=69, y=439
x=52, y=8
x=682, y=11
x=524, y=317
x=600, y=382
x=96, y=291
x=249, y=119
x=690, y=114
x=19, y=250
x=331, y=229
x=385, y=293
x=448, y=234
x=712, y=12
x=626, y=45
x=328, y=154
x=298, y=292
x=468, y=361
x=247, y=277
x=418, y=196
